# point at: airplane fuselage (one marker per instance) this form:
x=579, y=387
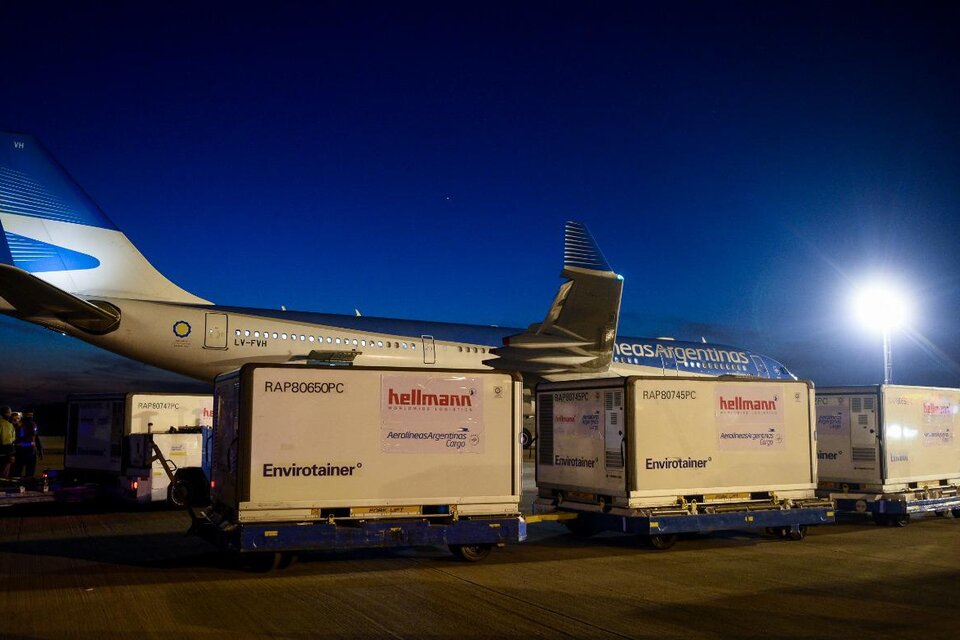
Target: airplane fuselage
x=202, y=341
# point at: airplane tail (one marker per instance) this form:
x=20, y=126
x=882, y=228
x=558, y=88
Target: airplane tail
x=579, y=331
x=54, y=232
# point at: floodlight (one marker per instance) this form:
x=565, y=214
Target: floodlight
x=882, y=307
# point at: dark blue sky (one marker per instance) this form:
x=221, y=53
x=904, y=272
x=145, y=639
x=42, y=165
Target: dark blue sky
x=743, y=165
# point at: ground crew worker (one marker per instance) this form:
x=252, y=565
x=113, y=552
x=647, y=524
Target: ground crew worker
x=29, y=447
x=8, y=436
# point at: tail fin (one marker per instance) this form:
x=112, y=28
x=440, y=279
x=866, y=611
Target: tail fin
x=53, y=230
x=578, y=333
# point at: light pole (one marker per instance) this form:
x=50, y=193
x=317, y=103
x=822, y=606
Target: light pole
x=882, y=308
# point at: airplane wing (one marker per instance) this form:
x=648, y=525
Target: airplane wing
x=36, y=300
x=579, y=331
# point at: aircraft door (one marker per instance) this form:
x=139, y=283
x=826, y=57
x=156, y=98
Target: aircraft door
x=429, y=350
x=669, y=365
x=215, y=336
x=761, y=367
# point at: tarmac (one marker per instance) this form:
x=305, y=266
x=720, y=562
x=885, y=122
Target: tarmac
x=107, y=572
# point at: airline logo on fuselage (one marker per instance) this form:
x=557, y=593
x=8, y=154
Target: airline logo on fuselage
x=680, y=353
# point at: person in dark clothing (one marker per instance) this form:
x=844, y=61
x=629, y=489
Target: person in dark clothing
x=8, y=435
x=29, y=448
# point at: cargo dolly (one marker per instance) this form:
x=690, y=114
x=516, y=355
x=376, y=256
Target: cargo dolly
x=659, y=526
x=894, y=508
x=276, y=543
x=469, y=538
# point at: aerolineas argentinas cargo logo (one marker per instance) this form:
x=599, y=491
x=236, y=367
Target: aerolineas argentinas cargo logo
x=749, y=416
x=937, y=437
x=422, y=413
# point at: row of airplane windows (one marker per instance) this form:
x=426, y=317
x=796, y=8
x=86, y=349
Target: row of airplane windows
x=328, y=339
x=380, y=344
x=691, y=365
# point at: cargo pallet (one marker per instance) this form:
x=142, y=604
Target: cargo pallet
x=661, y=526
x=41, y=490
x=895, y=508
x=469, y=538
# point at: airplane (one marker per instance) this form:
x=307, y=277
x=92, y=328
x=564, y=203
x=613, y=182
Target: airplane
x=65, y=266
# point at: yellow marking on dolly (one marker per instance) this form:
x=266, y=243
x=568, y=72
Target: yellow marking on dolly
x=654, y=525
x=551, y=517
x=749, y=518
x=727, y=496
x=270, y=534
x=386, y=511
x=829, y=514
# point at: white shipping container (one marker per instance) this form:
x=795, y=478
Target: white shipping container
x=645, y=442
x=296, y=442
x=887, y=438
x=97, y=425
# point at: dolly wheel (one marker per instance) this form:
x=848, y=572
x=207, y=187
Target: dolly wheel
x=471, y=552
x=796, y=534
x=178, y=495
x=955, y=512
x=899, y=520
x=287, y=560
x=582, y=527
x=261, y=561
x=662, y=541
x=526, y=439
x=880, y=519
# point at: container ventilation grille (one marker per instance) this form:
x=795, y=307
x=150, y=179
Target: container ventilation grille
x=545, y=428
x=614, y=459
x=868, y=404
x=612, y=400
x=856, y=405
x=612, y=454
x=863, y=420
x=864, y=454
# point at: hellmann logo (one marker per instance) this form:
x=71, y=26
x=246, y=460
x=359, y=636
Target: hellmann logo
x=739, y=403
x=417, y=398
x=933, y=409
